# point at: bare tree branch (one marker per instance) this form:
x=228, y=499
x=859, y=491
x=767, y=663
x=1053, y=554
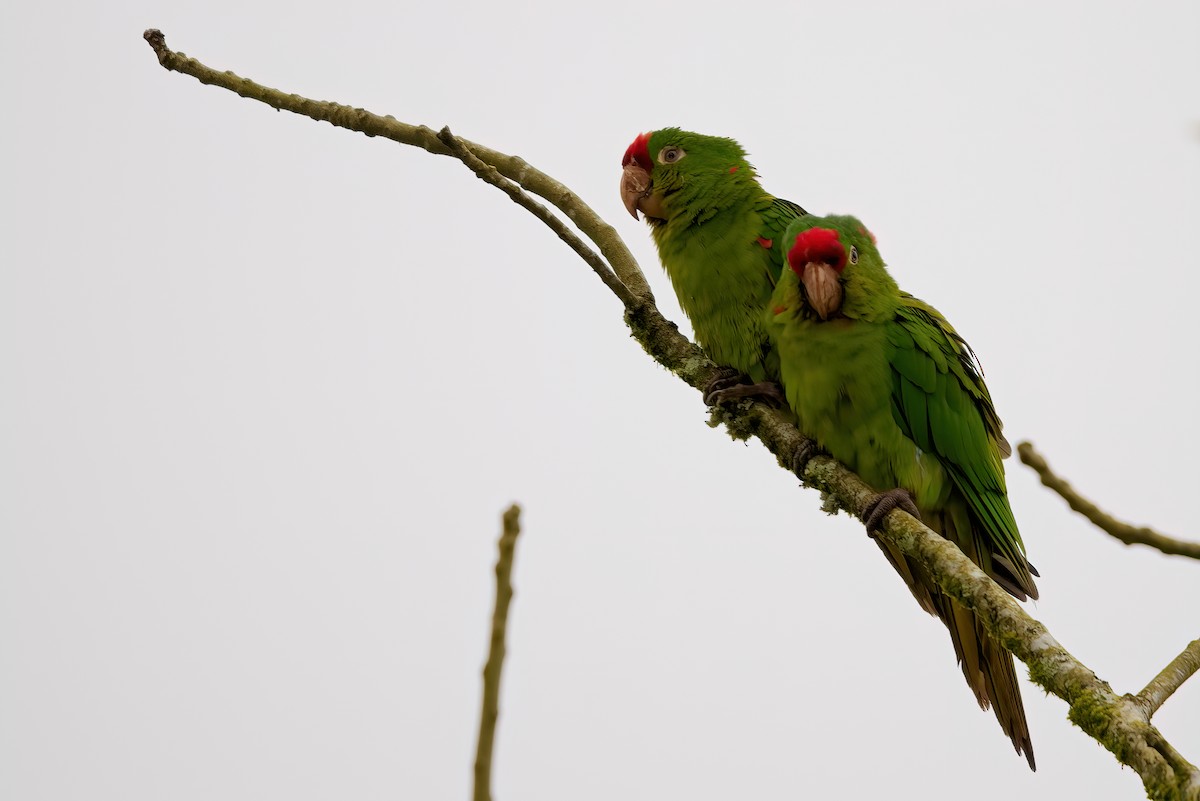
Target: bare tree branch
x=1120, y=723
x=1170, y=679
x=495, y=661
x=363, y=121
x=1130, y=535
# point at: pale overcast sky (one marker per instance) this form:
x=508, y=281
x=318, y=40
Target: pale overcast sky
x=269, y=385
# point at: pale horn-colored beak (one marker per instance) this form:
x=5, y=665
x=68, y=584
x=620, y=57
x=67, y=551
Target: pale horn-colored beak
x=823, y=288
x=637, y=192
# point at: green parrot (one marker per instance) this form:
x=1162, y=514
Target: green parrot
x=719, y=237
x=885, y=385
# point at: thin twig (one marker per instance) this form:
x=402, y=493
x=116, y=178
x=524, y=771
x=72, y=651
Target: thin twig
x=1119, y=723
x=612, y=247
x=1130, y=535
x=489, y=174
x=1169, y=680
x=495, y=660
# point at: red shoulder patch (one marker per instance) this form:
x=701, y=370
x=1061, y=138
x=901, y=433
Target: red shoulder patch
x=732, y=170
x=766, y=243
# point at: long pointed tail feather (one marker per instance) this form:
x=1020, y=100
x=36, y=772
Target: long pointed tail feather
x=986, y=665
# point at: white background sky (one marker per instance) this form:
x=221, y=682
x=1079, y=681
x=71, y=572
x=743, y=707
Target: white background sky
x=268, y=386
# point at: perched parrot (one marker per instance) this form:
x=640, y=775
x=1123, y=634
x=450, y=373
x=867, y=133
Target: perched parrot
x=719, y=237
x=885, y=385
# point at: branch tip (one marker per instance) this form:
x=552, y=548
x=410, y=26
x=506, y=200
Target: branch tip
x=158, y=43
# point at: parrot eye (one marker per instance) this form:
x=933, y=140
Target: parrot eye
x=853, y=255
x=670, y=155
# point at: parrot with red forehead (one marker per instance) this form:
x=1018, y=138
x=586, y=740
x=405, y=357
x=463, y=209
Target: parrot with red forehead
x=885, y=385
x=719, y=235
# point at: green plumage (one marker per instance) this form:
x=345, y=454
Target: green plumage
x=886, y=386
x=719, y=243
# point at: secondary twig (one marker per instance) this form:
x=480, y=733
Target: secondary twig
x=363, y=121
x=1119, y=723
x=1169, y=680
x=489, y=174
x=1130, y=535
x=495, y=661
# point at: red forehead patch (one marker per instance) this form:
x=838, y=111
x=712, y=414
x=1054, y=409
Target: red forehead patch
x=639, y=151
x=817, y=245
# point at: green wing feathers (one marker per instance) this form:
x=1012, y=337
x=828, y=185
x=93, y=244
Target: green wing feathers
x=940, y=402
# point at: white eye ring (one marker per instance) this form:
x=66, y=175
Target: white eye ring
x=670, y=154
x=853, y=255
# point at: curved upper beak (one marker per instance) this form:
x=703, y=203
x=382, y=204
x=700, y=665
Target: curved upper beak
x=823, y=289
x=637, y=192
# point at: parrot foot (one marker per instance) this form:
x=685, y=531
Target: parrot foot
x=732, y=385
x=883, y=503
x=726, y=377
x=807, y=450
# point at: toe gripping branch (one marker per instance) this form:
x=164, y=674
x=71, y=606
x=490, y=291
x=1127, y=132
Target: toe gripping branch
x=882, y=504
x=731, y=385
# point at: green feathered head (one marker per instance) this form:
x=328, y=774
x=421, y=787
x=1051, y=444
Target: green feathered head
x=670, y=173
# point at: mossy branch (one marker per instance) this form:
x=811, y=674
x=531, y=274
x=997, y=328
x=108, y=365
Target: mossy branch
x=1182, y=668
x=1120, y=723
x=1130, y=535
x=490, y=710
